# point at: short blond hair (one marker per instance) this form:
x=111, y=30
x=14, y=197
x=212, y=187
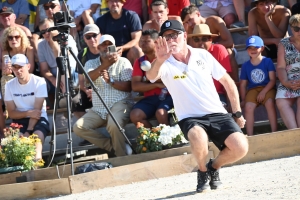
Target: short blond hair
x=24, y=39
x=294, y=20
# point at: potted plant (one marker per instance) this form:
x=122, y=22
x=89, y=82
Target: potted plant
x=158, y=138
x=17, y=153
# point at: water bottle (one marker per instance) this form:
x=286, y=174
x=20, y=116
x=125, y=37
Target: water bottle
x=6, y=59
x=163, y=94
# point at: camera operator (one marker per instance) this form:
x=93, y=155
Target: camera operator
x=48, y=50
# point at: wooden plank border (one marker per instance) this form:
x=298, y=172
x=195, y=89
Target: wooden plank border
x=37, y=189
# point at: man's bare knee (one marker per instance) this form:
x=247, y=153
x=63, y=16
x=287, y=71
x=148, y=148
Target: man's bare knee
x=238, y=143
x=196, y=133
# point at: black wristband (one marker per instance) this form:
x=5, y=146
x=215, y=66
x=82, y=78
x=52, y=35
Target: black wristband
x=30, y=132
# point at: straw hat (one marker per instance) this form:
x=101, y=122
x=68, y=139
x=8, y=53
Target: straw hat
x=202, y=30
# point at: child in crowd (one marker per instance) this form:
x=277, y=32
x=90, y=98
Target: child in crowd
x=257, y=84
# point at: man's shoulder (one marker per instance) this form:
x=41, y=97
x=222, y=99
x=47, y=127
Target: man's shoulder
x=124, y=61
x=281, y=11
x=128, y=12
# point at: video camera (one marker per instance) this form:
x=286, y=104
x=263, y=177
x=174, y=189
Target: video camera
x=63, y=21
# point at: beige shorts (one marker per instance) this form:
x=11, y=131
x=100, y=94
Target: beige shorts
x=220, y=10
x=252, y=94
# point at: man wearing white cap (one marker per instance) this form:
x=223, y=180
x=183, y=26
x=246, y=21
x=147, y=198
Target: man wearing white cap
x=112, y=75
x=25, y=103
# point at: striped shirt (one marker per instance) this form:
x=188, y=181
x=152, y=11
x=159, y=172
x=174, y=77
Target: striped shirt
x=119, y=71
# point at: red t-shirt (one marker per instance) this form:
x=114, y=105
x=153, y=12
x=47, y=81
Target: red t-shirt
x=175, y=6
x=134, y=5
x=220, y=53
x=137, y=71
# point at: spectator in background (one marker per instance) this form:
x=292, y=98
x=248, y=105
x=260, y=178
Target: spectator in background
x=91, y=36
x=257, y=84
x=223, y=9
x=84, y=13
x=21, y=10
x=138, y=6
x=112, y=74
x=14, y=41
x=175, y=6
x=270, y=22
x=124, y=26
x=48, y=51
x=288, y=67
x=27, y=110
x=191, y=16
x=295, y=9
x=150, y=105
x=7, y=19
x=202, y=38
x=160, y=13
x=240, y=6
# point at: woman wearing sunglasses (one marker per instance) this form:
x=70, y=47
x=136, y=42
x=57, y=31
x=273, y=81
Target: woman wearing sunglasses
x=14, y=41
x=288, y=70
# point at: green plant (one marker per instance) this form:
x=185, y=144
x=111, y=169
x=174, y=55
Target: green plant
x=17, y=150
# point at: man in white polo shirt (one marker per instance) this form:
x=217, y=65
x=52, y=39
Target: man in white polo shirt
x=25, y=101
x=187, y=73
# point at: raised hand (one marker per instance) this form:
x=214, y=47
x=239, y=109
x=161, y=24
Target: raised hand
x=162, y=50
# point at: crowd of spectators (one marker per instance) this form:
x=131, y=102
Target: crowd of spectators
x=132, y=26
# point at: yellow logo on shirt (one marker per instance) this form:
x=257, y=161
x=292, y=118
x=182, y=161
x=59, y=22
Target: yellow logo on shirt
x=179, y=77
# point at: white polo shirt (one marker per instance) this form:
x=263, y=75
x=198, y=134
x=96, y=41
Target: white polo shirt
x=194, y=94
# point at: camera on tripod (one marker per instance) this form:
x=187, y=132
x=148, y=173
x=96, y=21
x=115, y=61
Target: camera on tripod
x=63, y=21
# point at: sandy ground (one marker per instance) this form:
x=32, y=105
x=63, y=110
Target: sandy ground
x=273, y=179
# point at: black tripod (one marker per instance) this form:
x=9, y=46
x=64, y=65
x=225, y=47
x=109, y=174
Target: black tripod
x=64, y=69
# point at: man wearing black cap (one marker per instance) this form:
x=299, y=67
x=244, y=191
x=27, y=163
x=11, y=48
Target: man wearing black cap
x=200, y=112
x=21, y=10
x=270, y=22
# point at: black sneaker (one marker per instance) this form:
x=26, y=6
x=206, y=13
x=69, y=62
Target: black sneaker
x=215, y=181
x=203, y=181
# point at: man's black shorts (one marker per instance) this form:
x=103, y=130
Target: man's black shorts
x=42, y=125
x=218, y=127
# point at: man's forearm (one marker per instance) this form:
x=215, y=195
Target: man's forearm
x=122, y=86
x=232, y=93
x=32, y=123
x=94, y=74
x=15, y=114
x=130, y=44
x=152, y=74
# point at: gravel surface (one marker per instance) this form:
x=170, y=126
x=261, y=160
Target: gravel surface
x=273, y=179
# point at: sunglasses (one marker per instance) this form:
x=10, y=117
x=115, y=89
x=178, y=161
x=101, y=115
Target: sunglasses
x=11, y=38
x=52, y=6
x=43, y=31
x=173, y=36
x=202, y=39
x=295, y=28
x=88, y=37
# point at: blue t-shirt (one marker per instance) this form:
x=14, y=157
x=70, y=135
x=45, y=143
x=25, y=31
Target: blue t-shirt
x=19, y=7
x=121, y=28
x=257, y=75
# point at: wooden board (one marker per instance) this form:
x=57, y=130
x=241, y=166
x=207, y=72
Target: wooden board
x=233, y=30
x=132, y=173
x=65, y=171
x=9, y=178
x=38, y=189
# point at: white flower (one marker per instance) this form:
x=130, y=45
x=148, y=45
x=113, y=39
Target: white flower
x=4, y=141
x=167, y=134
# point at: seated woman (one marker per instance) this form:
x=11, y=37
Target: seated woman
x=288, y=67
x=14, y=41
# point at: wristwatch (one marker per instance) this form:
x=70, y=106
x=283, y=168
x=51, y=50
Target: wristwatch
x=111, y=81
x=238, y=114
